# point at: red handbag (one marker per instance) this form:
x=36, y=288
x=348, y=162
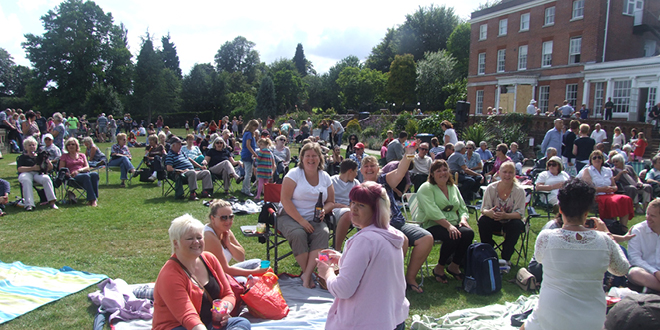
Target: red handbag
x=264, y=298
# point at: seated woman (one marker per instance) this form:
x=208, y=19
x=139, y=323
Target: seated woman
x=30, y=172
x=132, y=140
x=500, y=158
x=335, y=160
x=220, y=162
x=121, y=156
x=80, y=171
x=442, y=212
x=282, y=155
x=551, y=180
x=153, y=156
x=502, y=210
x=220, y=241
x=350, y=148
x=189, y=282
x=300, y=191
x=633, y=187
x=93, y=153
x=192, y=151
x=368, y=291
x=574, y=259
x=516, y=157
x=610, y=205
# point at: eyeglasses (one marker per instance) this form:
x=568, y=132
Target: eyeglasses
x=225, y=217
x=70, y=144
x=552, y=164
x=425, y=149
x=597, y=157
x=219, y=143
x=469, y=148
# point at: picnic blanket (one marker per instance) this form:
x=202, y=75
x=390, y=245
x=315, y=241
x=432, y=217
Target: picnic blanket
x=491, y=317
x=308, y=309
x=24, y=288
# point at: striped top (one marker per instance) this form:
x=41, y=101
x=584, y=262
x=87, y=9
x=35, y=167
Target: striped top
x=264, y=164
x=178, y=161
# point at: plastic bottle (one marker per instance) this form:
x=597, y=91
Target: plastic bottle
x=250, y=282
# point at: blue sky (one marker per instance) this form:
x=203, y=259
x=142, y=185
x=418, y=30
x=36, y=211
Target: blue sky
x=329, y=31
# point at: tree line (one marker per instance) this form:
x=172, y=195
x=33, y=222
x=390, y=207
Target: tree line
x=81, y=64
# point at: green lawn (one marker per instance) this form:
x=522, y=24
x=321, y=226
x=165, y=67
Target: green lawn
x=126, y=237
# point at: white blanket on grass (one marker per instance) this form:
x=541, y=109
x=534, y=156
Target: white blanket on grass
x=308, y=309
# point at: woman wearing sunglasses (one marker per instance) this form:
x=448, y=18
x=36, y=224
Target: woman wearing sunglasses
x=552, y=180
x=443, y=213
x=220, y=241
x=610, y=205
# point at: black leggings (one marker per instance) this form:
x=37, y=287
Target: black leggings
x=458, y=247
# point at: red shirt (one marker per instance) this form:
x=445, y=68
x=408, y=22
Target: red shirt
x=641, y=147
x=73, y=164
x=269, y=124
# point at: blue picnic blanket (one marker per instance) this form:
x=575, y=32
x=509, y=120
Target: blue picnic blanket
x=25, y=288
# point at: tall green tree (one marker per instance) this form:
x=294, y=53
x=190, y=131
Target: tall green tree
x=426, y=30
x=382, y=54
x=458, y=46
x=74, y=52
x=436, y=70
x=317, y=94
x=266, y=99
x=169, y=55
x=361, y=88
x=331, y=83
x=289, y=89
x=401, y=80
x=6, y=72
x=300, y=61
x=149, y=84
x=203, y=91
x=120, y=70
x=238, y=55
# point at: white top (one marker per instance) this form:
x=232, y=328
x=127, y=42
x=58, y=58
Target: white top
x=225, y=251
x=599, y=179
x=452, y=136
x=644, y=249
x=547, y=178
x=305, y=195
x=192, y=152
x=342, y=189
x=572, y=295
x=531, y=109
x=422, y=165
x=599, y=136
x=338, y=127
x=620, y=140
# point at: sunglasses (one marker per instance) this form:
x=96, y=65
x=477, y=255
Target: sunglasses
x=469, y=148
x=552, y=164
x=225, y=217
x=219, y=143
x=597, y=157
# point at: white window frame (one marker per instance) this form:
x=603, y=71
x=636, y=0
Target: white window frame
x=481, y=68
x=621, y=96
x=522, y=57
x=599, y=98
x=629, y=7
x=544, y=97
x=571, y=94
x=549, y=16
x=649, y=48
x=479, y=104
x=501, y=60
x=504, y=23
x=524, y=22
x=575, y=50
x=483, y=31
x=546, y=58
x=578, y=9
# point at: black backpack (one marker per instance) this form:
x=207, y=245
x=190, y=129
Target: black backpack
x=482, y=271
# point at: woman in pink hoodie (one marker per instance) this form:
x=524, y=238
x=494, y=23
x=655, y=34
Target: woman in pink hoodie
x=370, y=290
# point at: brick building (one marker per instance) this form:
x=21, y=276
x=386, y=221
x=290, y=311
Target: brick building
x=576, y=50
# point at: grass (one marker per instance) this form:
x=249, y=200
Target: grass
x=126, y=237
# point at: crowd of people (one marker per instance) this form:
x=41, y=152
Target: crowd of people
x=370, y=288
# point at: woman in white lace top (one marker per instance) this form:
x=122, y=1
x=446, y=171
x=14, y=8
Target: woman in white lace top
x=574, y=259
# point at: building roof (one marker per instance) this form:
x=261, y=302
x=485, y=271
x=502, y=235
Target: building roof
x=505, y=7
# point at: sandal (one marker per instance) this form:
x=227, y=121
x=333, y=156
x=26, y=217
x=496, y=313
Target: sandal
x=458, y=276
x=443, y=278
x=413, y=287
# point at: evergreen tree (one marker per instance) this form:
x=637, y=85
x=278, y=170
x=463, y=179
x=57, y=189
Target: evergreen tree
x=148, y=79
x=401, y=80
x=299, y=60
x=169, y=55
x=458, y=45
x=266, y=99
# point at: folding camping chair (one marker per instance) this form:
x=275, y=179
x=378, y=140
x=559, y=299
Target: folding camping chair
x=273, y=237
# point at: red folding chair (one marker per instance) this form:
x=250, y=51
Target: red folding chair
x=274, y=238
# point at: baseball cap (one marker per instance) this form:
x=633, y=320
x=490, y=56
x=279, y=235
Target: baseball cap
x=359, y=145
x=48, y=136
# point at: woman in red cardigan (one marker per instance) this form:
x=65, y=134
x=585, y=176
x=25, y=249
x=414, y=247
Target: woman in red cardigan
x=189, y=281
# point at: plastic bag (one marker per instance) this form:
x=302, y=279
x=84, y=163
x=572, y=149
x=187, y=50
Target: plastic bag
x=264, y=298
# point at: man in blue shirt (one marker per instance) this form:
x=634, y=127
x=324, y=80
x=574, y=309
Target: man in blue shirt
x=177, y=162
x=584, y=112
x=483, y=151
x=553, y=138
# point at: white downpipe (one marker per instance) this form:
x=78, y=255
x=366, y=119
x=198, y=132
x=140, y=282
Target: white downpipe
x=607, y=24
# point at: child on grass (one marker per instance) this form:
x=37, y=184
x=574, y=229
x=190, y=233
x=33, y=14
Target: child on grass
x=264, y=165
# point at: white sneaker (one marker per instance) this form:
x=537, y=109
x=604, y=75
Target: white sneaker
x=160, y=183
x=153, y=178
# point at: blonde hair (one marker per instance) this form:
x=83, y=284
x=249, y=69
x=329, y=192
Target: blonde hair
x=75, y=141
x=217, y=204
x=316, y=148
x=181, y=225
x=265, y=141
